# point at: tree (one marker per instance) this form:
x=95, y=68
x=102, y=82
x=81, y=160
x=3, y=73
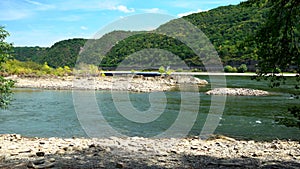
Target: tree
x=279, y=48
x=278, y=39
x=242, y=69
x=5, y=85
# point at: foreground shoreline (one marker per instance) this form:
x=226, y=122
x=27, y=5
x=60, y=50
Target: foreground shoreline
x=136, y=152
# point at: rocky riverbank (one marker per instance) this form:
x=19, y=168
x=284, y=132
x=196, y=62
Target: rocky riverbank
x=237, y=92
x=135, y=152
x=124, y=83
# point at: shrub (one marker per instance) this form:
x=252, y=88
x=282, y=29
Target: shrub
x=161, y=70
x=277, y=70
x=242, y=69
x=228, y=68
x=179, y=70
x=169, y=71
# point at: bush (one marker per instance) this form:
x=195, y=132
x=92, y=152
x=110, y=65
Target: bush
x=228, y=68
x=277, y=70
x=234, y=70
x=161, y=70
x=242, y=69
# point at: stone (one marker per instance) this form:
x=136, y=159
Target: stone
x=25, y=151
x=194, y=148
x=14, y=154
x=12, y=147
x=52, y=160
x=119, y=165
x=40, y=154
x=92, y=146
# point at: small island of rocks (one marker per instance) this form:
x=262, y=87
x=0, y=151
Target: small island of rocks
x=237, y=92
x=137, y=83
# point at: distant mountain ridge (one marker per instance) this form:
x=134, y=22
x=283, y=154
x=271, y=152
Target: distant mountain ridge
x=228, y=28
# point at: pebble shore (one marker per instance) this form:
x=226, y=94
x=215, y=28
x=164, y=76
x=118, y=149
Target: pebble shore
x=134, y=84
x=17, y=151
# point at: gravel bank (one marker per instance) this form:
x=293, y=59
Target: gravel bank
x=136, y=84
x=135, y=152
x=237, y=92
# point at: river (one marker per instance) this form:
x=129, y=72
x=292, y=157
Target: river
x=51, y=113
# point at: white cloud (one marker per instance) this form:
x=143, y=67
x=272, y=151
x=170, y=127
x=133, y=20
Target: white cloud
x=12, y=10
x=16, y=10
x=40, y=6
x=153, y=10
x=190, y=12
x=83, y=28
x=11, y=14
x=86, y=5
x=123, y=8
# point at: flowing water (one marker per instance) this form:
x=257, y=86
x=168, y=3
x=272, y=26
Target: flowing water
x=51, y=113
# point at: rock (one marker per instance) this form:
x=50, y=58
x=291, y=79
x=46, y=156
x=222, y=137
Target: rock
x=60, y=152
x=12, y=147
x=25, y=151
x=194, y=148
x=174, y=151
x=119, y=165
x=30, y=164
x=40, y=164
x=40, y=154
x=92, y=146
x=14, y=154
x=52, y=160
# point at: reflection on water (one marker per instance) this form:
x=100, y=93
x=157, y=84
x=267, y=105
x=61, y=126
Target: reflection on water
x=50, y=113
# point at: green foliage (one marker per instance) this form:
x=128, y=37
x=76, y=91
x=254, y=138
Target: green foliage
x=5, y=85
x=279, y=48
x=228, y=29
x=29, y=68
x=242, y=69
x=230, y=69
x=102, y=74
x=169, y=72
x=63, y=53
x=86, y=70
x=161, y=69
x=278, y=39
x=138, y=42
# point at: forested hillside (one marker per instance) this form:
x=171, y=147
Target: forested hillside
x=228, y=28
x=62, y=53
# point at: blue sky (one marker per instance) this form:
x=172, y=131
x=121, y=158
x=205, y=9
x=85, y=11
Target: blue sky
x=44, y=22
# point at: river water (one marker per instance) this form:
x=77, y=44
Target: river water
x=51, y=113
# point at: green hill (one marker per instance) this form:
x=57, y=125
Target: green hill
x=62, y=53
x=228, y=28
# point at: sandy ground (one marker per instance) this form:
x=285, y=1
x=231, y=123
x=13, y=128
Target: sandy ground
x=135, y=152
